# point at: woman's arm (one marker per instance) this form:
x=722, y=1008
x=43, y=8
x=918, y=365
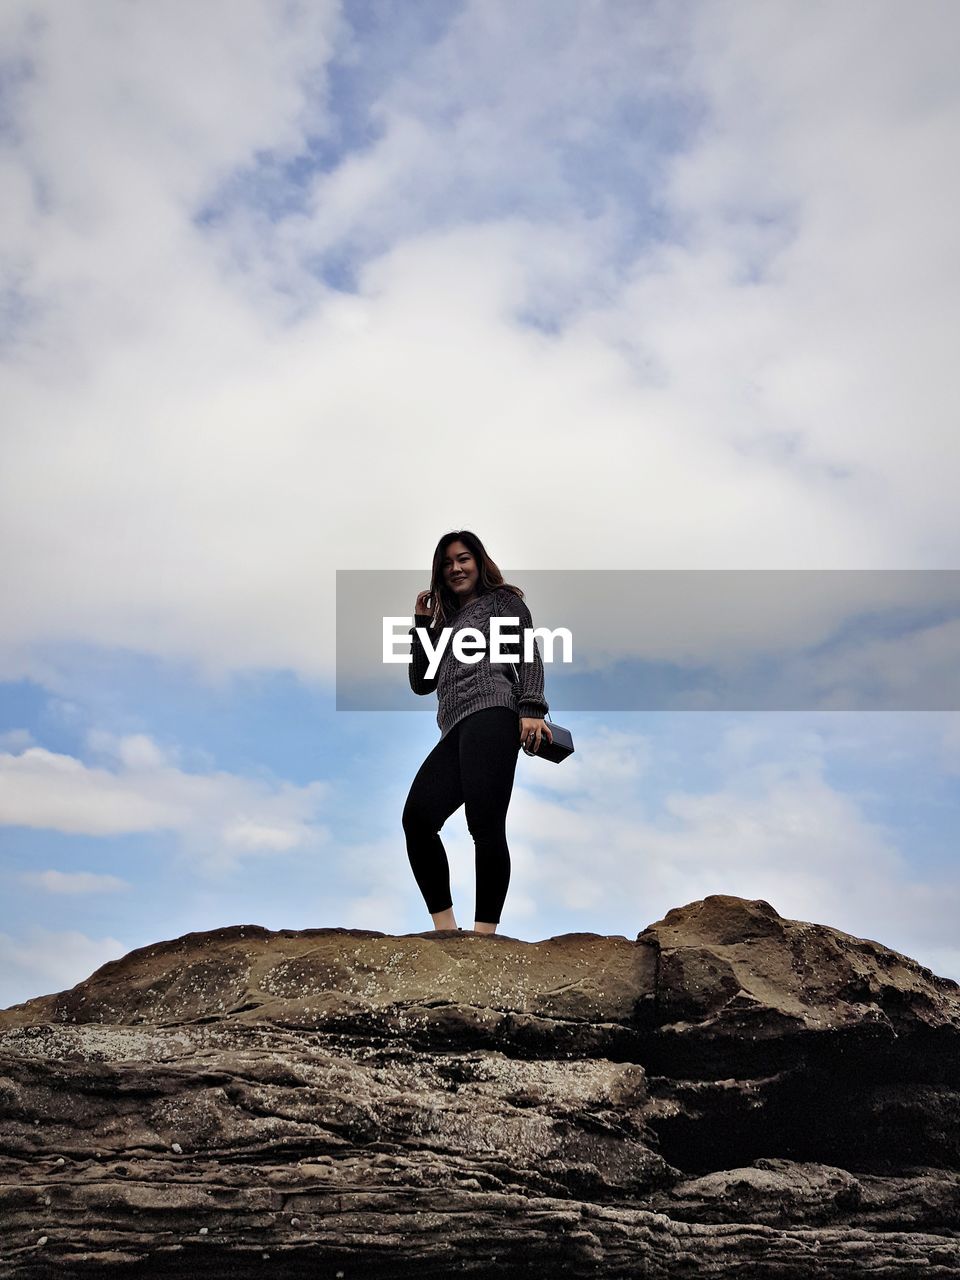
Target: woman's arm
x=419, y=661
x=531, y=701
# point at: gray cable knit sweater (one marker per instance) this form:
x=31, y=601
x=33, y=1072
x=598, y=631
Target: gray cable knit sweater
x=463, y=687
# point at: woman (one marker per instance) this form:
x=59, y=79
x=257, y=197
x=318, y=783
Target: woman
x=484, y=717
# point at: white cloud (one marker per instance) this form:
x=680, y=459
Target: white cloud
x=248, y=834
x=75, y=882
x=839, y=340
x=373, y=911
x=218, y=817
x=134, y=751
x=773, y=829
x=45, y=961
x=180, y=438
x=738, y=235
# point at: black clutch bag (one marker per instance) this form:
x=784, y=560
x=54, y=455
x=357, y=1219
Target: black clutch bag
x=559, y=748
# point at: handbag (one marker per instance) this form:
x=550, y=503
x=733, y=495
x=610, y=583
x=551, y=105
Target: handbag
x=559, y=748
x=562, y=744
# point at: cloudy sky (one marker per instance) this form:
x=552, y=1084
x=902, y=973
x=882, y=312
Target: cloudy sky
x=291, y=288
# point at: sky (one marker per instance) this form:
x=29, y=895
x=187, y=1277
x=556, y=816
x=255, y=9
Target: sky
x=288, y=289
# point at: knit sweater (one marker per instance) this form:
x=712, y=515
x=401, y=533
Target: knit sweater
x=464, y=687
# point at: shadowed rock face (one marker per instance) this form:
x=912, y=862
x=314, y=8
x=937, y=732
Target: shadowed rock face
x=729, y=1089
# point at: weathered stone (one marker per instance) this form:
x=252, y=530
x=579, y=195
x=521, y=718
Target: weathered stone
x=729, y=1090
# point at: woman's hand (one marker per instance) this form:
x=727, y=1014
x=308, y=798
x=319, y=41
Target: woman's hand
x=532, y=729
x=421, y=608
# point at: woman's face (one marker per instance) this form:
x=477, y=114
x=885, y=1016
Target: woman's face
x=460, y=571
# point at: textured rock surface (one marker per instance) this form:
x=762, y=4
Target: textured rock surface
x=729, y=1089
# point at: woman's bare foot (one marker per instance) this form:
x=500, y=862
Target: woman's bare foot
x=444, y=919
x=481, y=926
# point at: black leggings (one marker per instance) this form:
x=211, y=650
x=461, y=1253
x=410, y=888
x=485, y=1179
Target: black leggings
x=473, y=766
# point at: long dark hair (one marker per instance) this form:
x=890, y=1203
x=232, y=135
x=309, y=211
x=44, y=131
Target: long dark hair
x=442, y=602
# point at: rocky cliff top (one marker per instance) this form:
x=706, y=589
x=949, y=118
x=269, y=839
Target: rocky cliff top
x=729, y=1088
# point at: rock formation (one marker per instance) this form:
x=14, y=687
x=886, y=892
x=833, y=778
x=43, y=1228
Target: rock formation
x=729, y=1090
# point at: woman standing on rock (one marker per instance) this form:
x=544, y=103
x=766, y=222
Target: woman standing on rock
x=484, y=718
